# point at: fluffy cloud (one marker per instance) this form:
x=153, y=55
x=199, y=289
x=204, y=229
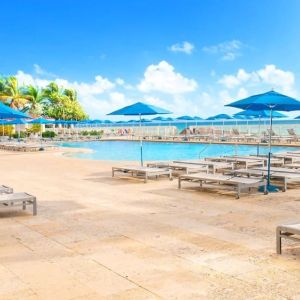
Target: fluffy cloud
x=184, y=47
x=163, y=78
x=268, y=77
x=228, y=50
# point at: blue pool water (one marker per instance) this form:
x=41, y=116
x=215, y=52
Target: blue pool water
x=130, y=151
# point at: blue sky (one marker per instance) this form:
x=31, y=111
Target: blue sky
x=189, y=56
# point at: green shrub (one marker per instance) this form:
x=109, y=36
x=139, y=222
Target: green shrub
x=85, y=133
x=48, y=134
x=23, y=135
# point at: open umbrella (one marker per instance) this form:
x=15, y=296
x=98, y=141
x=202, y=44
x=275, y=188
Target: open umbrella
x=18, y=122
x=140, y=109
x=221, y=117
x=270, y=101
x=9, y=113
x=185, y=118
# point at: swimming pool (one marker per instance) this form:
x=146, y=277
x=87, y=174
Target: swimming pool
x=130, y=151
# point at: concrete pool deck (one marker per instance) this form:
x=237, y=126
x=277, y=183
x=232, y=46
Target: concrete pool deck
x=97, y=237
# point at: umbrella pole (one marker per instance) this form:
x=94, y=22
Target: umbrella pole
x=141, y=140
x=258, y=144
x=270, y=188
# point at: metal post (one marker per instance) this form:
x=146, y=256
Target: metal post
x=270, y=147
x=141, y=140
x=258, y=136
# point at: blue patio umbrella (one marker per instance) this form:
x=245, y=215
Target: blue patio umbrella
x=185, y=118
x=220, y=117
x=197, y=118
x=140, y=109
x=18, y=122
x=9, y=113
x=297, y=117
x=42, y=121
x=271, y=101
x=260, y=114
x=158, y=119
x=146, y=121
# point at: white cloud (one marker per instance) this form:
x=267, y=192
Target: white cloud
x=229, y=50
x=184, y=47
x=42, y=72
x=163, y=78
x=268, y=77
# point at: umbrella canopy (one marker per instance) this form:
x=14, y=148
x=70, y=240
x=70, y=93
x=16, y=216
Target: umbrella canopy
x=41, y=121
x=145, y=120
x=59, y=122
x=17, y=122
x=197, y=118
x=159, y=119
x=8, y=113
x=138, y=109
x=220, y=117
x=260, y=114
x=268, y=101
x=241, y=117
x=185, y=118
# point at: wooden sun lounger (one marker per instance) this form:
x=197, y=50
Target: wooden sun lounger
x=281, y=176
x=24, y=199
x=214, y=165
x=274, y=161
x=279, y=170
x=5, y=189
x=288, y=157
x=177, y=167
x=246, y=162
x=291, y=232
x=144, y=172
x=236, y=183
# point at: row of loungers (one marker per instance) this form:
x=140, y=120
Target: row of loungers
x=238, y=172
x=10, y=199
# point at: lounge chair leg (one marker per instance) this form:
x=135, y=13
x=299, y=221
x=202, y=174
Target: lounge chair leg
x=238, y=193
x=24, y=205
x=34, y=207
x=265, y=189
x=179, y=183
x=278, y=241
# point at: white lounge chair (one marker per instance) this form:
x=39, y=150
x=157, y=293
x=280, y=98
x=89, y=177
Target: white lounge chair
x=5, y=189
x=246, y=162
x=238, y=184
x=144, y=172
x=213, y=165
x=290, y=231
x=285, y=177
x=178, y=167
x=24, y=199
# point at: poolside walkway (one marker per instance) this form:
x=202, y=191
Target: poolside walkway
x=101, y=238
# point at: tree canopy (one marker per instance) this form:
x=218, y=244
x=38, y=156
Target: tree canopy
x=52, y=101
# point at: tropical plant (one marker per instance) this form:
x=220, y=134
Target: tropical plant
x=52, y=101
x=62, y=103
x=36, y=99
x=11, y=93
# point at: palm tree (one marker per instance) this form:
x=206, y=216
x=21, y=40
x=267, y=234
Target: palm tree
x=10, y=90
x=36, y=99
